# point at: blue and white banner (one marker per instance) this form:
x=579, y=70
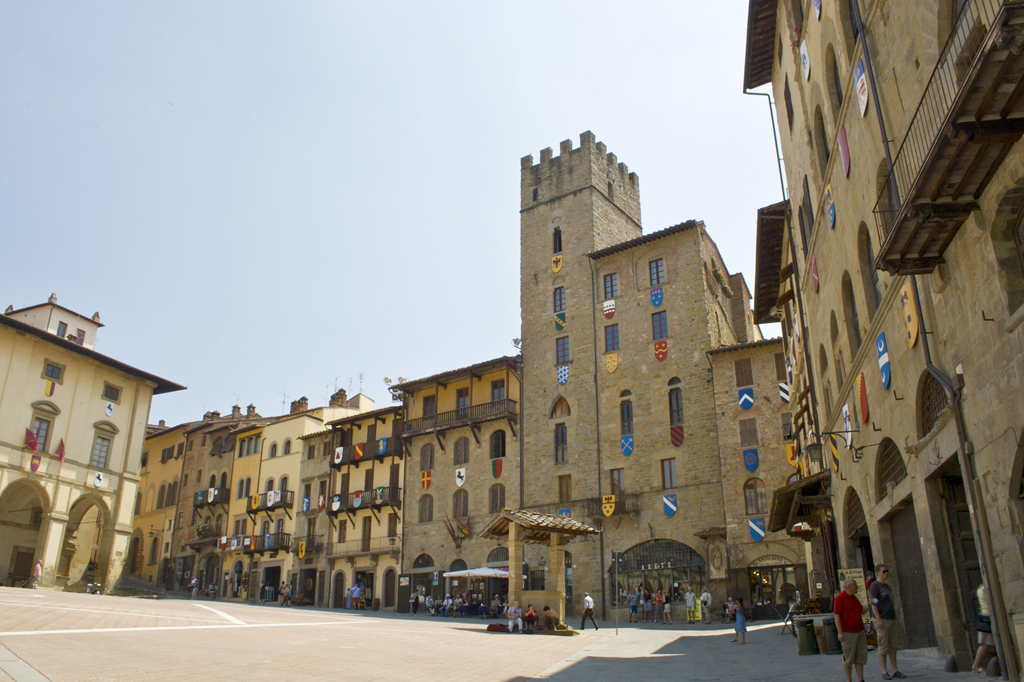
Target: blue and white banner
x=671, y=504
x=883, y=359
x=757, y=529
x=746, y=398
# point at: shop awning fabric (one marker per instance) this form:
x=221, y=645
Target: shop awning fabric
x=790, y=505
x=478, y=573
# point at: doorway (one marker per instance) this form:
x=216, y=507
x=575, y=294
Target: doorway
x=339, y=591
x=366, y=592
x=911, y=580
x=271, y=583
x=389, y=588
x=965, y=554
x=307, y=577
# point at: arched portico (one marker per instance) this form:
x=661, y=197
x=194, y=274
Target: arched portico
x=88, y=539
x=24, y=504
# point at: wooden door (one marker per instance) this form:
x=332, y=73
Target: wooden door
x=389, y=588
x=911, y=581
x=368, y=480
x=965, y=554
x=394, y=482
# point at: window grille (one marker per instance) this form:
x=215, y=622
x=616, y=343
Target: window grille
x=933, y=400
x=889, y=467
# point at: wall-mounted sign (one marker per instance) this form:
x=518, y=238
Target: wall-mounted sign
x=830, y=206
x=805, y=60
x=909, y=312
x=860, y=82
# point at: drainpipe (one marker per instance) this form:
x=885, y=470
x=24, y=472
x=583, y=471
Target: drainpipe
x=597, y=426
x=522, y=435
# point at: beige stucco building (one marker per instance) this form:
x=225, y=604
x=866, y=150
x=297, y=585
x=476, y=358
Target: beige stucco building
x=156, y=503
x=72, y=433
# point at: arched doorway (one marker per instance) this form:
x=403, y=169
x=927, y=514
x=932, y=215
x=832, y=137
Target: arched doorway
x=85, y=554
x=457, y=585
x=425, y=577
x=237, y=579
x=858, y=546
x=210, y=572
x=389, y=588
x=666, y=565
x=339, y=590
x=135, y=556
x=22, y=505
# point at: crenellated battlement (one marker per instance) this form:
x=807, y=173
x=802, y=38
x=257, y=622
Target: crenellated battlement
x=589, y=165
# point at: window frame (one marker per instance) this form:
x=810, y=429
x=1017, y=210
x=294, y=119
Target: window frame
x=756, y=494
x=460, y=503
x=676, y=413
x=561, y=443
x=626, y=417
x=746, y=428
x=558, y=296
x=611, y=338
x=108, y=385
x=659, y=325
x=564, y=488
x=426, y=508
x=656, y=271
x=562, y=354
x=427, y=457
x=611, y=285
x=743, y=369
x=668, y=473
x=61, y=369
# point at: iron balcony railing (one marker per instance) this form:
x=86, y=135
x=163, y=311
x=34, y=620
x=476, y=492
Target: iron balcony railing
x=956, y=62
x=368, y=545
x=363, y=499
x=465, y=415
x=270, y=542
x=274, y=499
x=382, y=447
x=627, y=503
x=314, y=543
x=211, y=496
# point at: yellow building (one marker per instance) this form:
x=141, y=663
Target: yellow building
x=72, y=432
x=155, y=504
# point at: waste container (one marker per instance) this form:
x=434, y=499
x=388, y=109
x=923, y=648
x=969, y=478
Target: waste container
x=831, y=637
x=376, y=603
x=807, y=644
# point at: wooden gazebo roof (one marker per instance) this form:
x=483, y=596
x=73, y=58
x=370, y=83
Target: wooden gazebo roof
x=537, y=527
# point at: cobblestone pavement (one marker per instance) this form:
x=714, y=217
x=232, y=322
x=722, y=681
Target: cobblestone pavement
x=76, y=637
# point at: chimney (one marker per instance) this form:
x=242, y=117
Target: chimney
x=250, y=411
x=96, y=317
x=236, y=412
x=300, y=405
x=53, y=298
x=339, y=398
x=162, y=423
x=215, y=415
x=10, y=309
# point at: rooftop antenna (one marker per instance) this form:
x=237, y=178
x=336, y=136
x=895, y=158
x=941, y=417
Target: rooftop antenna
x=236, y=398
x=284, y=400
x=360, y=382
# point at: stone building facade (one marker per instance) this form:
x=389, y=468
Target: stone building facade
x=618, y=396
x=902, y=283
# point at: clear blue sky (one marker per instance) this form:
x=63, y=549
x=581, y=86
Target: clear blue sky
x=267, y=197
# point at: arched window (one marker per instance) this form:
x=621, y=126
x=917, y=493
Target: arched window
x=821, y=140
x=284, y=483
x=241, y=488
x=868, y=273
x=160, y=497
x=853, y=515
x=427, y=457
x=932, y=401
x=460, y=504
x=462, y=451
x=835, y=83
x=213, y=481
x=280, y=526
x=458, y=565
x=557, y=241
x=224, y=479
x=497, y=444
x=248, y=486
x=423, y=561
x=287, y=449
x=675, y=403
x=154, y=547
x=561, y=444
x=172, y=493
x=138, y=503
x=273, y=451
x=498, y=554
x=269, y=486
x=756, y=497
x=833, y=326
x=497, y=498
x=561, y=409
x=219, y=524
x=852, y=321
x=626, y=417
x=889, y=467
x=426, y=509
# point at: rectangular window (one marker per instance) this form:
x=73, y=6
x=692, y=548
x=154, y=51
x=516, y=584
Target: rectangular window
x=537, y=580
x=62, y=329
x=342, y=532
x=744, y=373
x=100, y=452
x=611, y=285
x=80, y=339
x=392, y=525
x=618, y=483
x=323, y=488
x=565, y=488
x=659, y=324
x=181, y=450
x=559, y=299
x=462, y=401
x=787, y=425
x=111, y=393
x=748, y=432
x=429, y=405
x=668, y=473
x=562, y=350
x=307, y=490
x=561, y=444
x=657, y=272
x=497, y=390
x=675, y=407
x=611, y=338
x=780, y=367
x=52, y=371
x=41, y=429
x=238, y=526
x=626, y=417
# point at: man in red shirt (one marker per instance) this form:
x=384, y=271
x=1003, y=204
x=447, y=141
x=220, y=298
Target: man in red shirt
x=849, y=614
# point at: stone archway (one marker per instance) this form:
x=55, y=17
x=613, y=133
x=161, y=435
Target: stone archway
x=23, y=504
x=88, y=537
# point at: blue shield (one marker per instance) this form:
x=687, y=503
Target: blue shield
x=305, y=505
x=382, y=446
x=883, y=359
x=670, y=504
x=563, y=374
x=750, y=460
x=757, y=529
x=657, y=295
x=789, y=369
x=567, y=512
x=746, y=398
x=627, y=445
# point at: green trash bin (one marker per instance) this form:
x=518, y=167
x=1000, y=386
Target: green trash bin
x=832, y=645
x=807, y=643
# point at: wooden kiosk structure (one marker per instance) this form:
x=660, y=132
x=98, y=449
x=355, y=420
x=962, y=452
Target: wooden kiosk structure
x=518, y=527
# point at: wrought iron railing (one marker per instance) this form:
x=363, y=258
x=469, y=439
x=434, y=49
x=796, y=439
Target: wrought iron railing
x=956, y=62
x=271, y=542
x=211, y=496
x=314, y=543
x=362, y=499
x=498, y=408
x=370, y=545
x=626, y=503
x=273, y=499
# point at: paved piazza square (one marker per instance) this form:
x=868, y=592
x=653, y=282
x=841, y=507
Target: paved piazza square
x=58, y=636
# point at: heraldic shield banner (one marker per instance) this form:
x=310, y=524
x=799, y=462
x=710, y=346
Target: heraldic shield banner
x=608, y=505
x=671, y=504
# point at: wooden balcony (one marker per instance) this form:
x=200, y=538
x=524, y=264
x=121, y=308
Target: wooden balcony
x=275, y=499
x=970, y=116
x=499, y=409
x=205, y=498
x=364, y=546
x=271, y=542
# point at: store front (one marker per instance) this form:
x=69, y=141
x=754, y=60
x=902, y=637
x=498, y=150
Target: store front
x=666, y=565
x=773, y=582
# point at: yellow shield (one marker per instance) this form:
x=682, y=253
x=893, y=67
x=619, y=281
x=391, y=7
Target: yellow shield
x=556, y=263
x=302, y=548
x=791, y=454
x=909, y=312
x=608, y=505
x=611, y=361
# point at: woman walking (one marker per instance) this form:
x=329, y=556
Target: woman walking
x=667, y=619
x=741, y=620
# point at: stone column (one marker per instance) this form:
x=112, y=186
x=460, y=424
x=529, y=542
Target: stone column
x=50, y=543
x=515, y=562
x=557, y=545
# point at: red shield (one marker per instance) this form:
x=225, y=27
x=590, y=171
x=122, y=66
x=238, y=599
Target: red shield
x=609, y=308
x=321, y=501
x=661, y=350
x=862, y=393
x=496, y=468
x=426, y=480
x=359, y=450
x=36, y=461
x=677, y=435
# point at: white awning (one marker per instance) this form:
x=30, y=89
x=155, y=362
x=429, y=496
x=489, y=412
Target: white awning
x=483, y=572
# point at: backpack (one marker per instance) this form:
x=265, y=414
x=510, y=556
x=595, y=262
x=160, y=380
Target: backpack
x=497, y=627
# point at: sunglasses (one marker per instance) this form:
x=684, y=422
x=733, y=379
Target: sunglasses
x=884, y=571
